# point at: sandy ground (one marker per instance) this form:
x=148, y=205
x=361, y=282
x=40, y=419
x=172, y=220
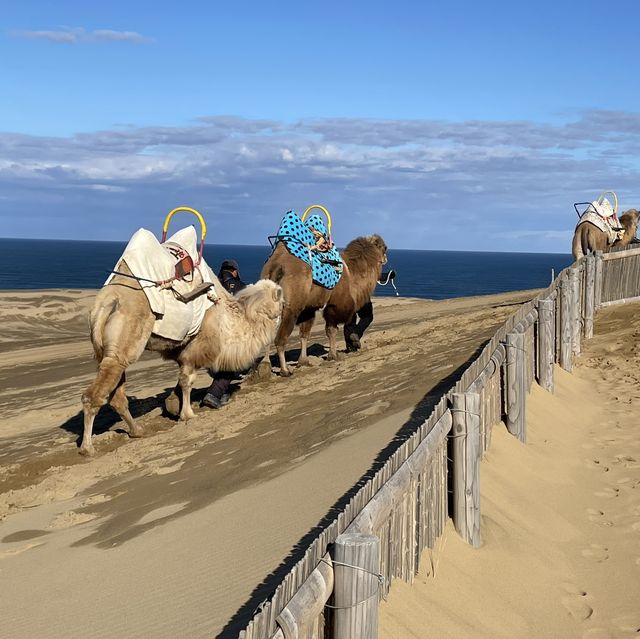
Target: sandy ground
x=188, y=529
x=560, y=516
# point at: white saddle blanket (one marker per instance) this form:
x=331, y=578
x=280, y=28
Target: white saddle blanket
x=146, y=257
x=605, y=224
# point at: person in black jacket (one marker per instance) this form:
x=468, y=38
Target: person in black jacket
x=218, y=393
x=355, y=327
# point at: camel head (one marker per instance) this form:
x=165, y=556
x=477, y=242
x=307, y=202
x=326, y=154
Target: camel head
x=262, y=300
x=370, y=250
x=378, y=243
x=629, y=220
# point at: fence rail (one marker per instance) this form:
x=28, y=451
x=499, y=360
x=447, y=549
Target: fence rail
x=403, y=508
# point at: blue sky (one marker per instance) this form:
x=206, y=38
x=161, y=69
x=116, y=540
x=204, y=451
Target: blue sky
x=465, y=126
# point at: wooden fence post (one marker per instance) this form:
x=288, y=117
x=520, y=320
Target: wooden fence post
x=465, y=455
x=546, y=343
x=576, y=309
x=516, y=387
x=589, y=295
x=356, y=565
x=598, y=281
x=565, y=325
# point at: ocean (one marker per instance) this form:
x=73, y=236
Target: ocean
x=69, y=264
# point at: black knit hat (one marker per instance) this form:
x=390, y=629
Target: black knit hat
x=229, y=265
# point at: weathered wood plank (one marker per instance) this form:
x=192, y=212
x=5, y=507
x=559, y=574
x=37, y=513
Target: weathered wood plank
x=355, y=566
x=300, y=615
x=617, y=255
x=515, y=382
x=546, y=341
x=381, y=505
x=575, y=310
x=565, y=327
x=597, y=293
x=589, y=295
x=465, y=454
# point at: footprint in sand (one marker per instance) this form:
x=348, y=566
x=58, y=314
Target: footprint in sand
x=609, y=493
x=627, y=461
x=575, y=603
x=596, y=552
x=595, y=463
x=18, y=551
x=597, y=516
x=628, y=623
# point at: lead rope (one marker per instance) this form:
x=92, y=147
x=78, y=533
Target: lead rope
x=392, y=280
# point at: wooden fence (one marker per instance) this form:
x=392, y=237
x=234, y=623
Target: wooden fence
x=333, y=591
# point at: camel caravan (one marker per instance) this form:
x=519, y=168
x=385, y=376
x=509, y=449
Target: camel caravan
x=162, y=296
x=599, y=228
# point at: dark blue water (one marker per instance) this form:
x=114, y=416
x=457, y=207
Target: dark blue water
x=36, y=264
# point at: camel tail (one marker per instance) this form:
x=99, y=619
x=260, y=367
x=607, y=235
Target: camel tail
x=579, y=247
x=98, y=319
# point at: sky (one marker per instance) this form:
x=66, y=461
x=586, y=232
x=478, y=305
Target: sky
x=458, y=125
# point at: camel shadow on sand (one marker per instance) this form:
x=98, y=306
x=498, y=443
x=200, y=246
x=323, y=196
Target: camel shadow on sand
x=107, y=417
x=420, y=413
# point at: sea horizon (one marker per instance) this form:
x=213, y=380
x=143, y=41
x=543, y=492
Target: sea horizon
x=32, y=264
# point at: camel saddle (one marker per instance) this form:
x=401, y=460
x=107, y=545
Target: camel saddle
x=608, y=225
x=172, y=280
x=309, y=242
x=602, y=215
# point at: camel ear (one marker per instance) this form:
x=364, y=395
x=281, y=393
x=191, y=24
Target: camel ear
x=277, y=294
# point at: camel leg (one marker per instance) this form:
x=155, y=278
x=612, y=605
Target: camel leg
x=110, y=373
x=124, y=340
x=186, y=379
x=305, y=329
x=172, y=402
x=120, y=403
x=332, y=332
x=264, y=367
x=287, y=324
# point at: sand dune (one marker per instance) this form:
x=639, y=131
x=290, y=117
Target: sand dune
x=560, y=516
x=188, y=529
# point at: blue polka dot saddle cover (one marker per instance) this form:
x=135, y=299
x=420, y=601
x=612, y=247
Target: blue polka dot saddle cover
x=300, y=240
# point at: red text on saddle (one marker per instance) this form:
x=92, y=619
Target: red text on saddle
x=184, y=264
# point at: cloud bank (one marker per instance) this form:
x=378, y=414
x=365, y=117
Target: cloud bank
x=420, y=183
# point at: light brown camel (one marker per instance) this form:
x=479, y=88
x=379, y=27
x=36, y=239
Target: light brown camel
x=302, y=298
x=234, y=332
x=363, y=259
x=588, y=238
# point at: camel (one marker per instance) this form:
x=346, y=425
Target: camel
x=363, y=259
x=303, y=297
x=588, y=238
x=234, y=331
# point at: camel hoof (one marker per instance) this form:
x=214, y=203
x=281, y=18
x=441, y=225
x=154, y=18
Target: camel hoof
x=303, y=361
x=285, y=372
x=87, y=451
x=264, y=370
x=335, y=357
x=136, y=433
x=186, y=416
x=172, y=405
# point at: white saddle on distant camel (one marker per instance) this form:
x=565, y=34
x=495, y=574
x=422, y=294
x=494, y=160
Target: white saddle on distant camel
x=602, y=215
x=148, y=259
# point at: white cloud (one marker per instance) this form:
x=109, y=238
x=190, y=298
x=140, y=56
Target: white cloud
x=75, y=35
x=491, y=185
